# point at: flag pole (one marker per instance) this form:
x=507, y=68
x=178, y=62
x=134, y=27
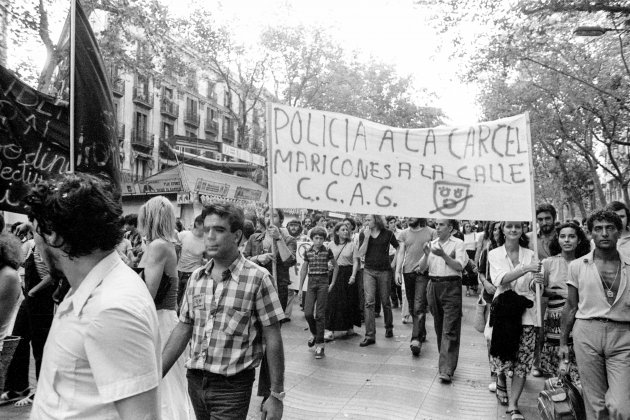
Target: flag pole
x=73, y=27
x=274, y=267
x=533, y=204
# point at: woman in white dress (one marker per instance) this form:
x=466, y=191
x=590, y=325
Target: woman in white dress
x=158, y=268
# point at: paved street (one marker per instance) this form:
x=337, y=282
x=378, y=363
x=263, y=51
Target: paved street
x=382, y=381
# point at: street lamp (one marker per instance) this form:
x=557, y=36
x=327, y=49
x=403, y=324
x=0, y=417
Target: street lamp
x=594, y=30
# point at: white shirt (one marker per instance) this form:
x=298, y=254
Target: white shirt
x=103, y=346
x=500, y=265
x=455, y=249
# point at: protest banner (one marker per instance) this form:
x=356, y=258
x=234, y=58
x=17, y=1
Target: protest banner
x=330, y=161
x=294, y=272
x=35, y=128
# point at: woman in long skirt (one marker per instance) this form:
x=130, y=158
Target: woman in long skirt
x=343, y=310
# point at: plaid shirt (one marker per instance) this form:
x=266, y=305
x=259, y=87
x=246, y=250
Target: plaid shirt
x=318, y=260
x=227, y=323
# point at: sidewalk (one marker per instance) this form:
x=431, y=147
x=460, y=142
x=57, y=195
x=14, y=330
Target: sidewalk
x=382, y=381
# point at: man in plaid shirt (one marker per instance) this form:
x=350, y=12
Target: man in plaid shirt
x=229, y=308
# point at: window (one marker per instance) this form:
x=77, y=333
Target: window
x=168, y=93
x=142, y=85
x=167, y=131
x=191, y=134
x=141, y=123
x=211, y=114
x=227, y=99
x=191, y=106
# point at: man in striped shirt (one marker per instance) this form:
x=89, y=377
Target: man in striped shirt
x=230, y=306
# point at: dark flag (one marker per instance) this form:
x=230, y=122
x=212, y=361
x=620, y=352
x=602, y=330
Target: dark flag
x=35, y=127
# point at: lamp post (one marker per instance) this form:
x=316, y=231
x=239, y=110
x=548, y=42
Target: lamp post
x=595, y=30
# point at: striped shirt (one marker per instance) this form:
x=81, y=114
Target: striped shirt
x=318, y=260
x=227, y=323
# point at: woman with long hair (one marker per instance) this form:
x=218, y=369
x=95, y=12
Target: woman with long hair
x=342, y=310
x=570, y=243
x=158, y=268
x=512, y=267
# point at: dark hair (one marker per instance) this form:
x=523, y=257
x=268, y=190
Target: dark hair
x=351, y=221
x=390, y=218
x=83, y=210
x=279, y=211
x=131, y=219
x=336, y=232
x=178, y=225
x=522, y=241
x=378, y=221
x=260, y=220
x=330, y=224
x=604, y=215
x=298, y=223
x=454, y=223
x=546, y=208
x=316, y=218
x=10, y=251
x=583, y=246
x=199, y=220
x=318, y=231
x=615, y=206
x=248, y=228
x=234, y=215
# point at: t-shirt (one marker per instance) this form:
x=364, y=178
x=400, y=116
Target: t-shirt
x=191, y=256
x=414, y=241
x=344, y=253
x=377, y=254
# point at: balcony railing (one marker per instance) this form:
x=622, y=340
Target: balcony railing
x=121, y=131
x=142, y=97
x=118, y=87
x=212, y=126
x=228, y=134
x=169, y=108
x=191, y=118
x=142, y=138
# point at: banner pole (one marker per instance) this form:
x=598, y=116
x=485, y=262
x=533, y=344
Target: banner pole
x=534, y=231
x=274, y=267
x=73, y=26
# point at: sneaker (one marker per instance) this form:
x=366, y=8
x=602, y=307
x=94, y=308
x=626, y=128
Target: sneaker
x=389, y=333
x=311, y=341
x=415, y=347
x=319, y=352
x=445, y=378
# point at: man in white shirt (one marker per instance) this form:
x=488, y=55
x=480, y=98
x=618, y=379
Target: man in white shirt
x=102, y=359
x=191, y=256
x=445, y=258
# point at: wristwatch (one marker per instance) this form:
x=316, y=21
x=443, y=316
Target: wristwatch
x=278, y=395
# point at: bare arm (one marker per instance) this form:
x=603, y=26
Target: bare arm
x=175, y=345
x=567, y=320
x=142, y=406
x=9, y=293
x=335, y=273
x=275, y=360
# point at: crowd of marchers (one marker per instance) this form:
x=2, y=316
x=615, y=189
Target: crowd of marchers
x=137, y=317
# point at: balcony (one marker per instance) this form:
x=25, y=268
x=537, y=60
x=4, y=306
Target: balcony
x=142, y=138
x=191, y=118
x=142, y=97
x=169, y=108
x=228, y=134
x=118, y=87
x=212, y=127
x=121, y=131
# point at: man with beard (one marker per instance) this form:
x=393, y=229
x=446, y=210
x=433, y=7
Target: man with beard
x=445, y=259
x=102, y=358
x=412, y=241
x=546, y=219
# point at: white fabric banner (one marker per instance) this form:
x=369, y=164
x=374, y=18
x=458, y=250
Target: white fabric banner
x=330, y=161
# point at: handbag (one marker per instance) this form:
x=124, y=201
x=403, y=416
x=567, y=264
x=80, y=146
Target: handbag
x=480, y=314
x=561, y=399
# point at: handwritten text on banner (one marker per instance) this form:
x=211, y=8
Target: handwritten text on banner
x=331, y=161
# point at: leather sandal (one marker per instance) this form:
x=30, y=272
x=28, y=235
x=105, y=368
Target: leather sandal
x=501, y=394
x=515, y=414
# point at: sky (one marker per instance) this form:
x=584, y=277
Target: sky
x=395, y=31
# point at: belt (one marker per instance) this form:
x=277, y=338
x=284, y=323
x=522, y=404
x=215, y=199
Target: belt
x=442, y=279
x=605, y=320
x=204, y=373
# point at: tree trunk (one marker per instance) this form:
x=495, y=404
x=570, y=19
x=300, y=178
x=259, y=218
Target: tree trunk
x=624, y=191
x=580, y=203
x=599, y=191
x=571, y=209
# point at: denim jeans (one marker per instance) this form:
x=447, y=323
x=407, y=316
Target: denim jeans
x=416, y=291
x=370, y=280
x=445, y=302
x=317, y=293
x=218, y=397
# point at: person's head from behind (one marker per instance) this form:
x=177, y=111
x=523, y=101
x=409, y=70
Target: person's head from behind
x=156, y=219
x=318, y=236
x=223, y=224
x=621, y=210
x=75, y=216
x=546, y=218
x=605, y=228
x=198, y=223
x=178, y=225
x=10, y=251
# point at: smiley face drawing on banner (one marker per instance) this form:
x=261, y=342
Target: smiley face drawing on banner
x=450, y=198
